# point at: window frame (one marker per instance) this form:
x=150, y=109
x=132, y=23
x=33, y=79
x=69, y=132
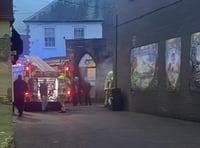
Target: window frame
x=79, y=33
x=49, y=37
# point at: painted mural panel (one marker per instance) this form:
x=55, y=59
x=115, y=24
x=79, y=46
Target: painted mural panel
x=173, y=61
x=195, y=62
x=144, y=67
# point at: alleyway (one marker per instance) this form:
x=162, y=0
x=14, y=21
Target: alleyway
x=97, y=127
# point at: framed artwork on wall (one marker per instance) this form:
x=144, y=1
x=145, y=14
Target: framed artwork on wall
x=144, y=67
x=173, y=62
x=195, y=62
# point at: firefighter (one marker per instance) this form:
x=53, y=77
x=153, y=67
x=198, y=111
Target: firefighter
x=62, y=93
x=108, y=85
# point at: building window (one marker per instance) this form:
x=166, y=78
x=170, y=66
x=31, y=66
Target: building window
x=49, y=37
x=78, y=33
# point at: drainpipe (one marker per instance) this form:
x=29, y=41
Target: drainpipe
x=116, y=53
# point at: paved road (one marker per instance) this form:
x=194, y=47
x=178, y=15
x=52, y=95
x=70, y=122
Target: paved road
x=97, y=127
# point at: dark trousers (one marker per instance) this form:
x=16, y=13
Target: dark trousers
x=20, y=106
x=75, y=99
x=87, y=99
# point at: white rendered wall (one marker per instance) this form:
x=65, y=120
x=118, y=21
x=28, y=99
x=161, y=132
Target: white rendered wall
x=63, y=31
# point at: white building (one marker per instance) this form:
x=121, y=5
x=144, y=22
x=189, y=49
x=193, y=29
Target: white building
x=61, y=20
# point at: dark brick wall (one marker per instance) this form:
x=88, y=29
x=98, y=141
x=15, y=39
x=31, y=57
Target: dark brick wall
x=154, y=22
x=109, y=9
x=6, y=10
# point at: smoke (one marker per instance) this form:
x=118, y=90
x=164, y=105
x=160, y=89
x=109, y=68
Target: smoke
x=102, y=70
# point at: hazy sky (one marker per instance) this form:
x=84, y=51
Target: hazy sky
x=24, y=9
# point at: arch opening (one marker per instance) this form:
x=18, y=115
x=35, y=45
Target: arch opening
x=87, y=69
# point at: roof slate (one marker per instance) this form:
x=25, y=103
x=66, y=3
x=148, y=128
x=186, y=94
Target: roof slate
x=69, y=11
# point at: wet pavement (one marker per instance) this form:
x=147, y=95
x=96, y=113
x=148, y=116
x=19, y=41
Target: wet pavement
x=97, y=127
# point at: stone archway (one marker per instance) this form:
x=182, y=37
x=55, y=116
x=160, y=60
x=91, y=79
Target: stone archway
x=76, y=49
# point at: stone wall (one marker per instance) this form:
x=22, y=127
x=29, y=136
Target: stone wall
x=5, y=64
